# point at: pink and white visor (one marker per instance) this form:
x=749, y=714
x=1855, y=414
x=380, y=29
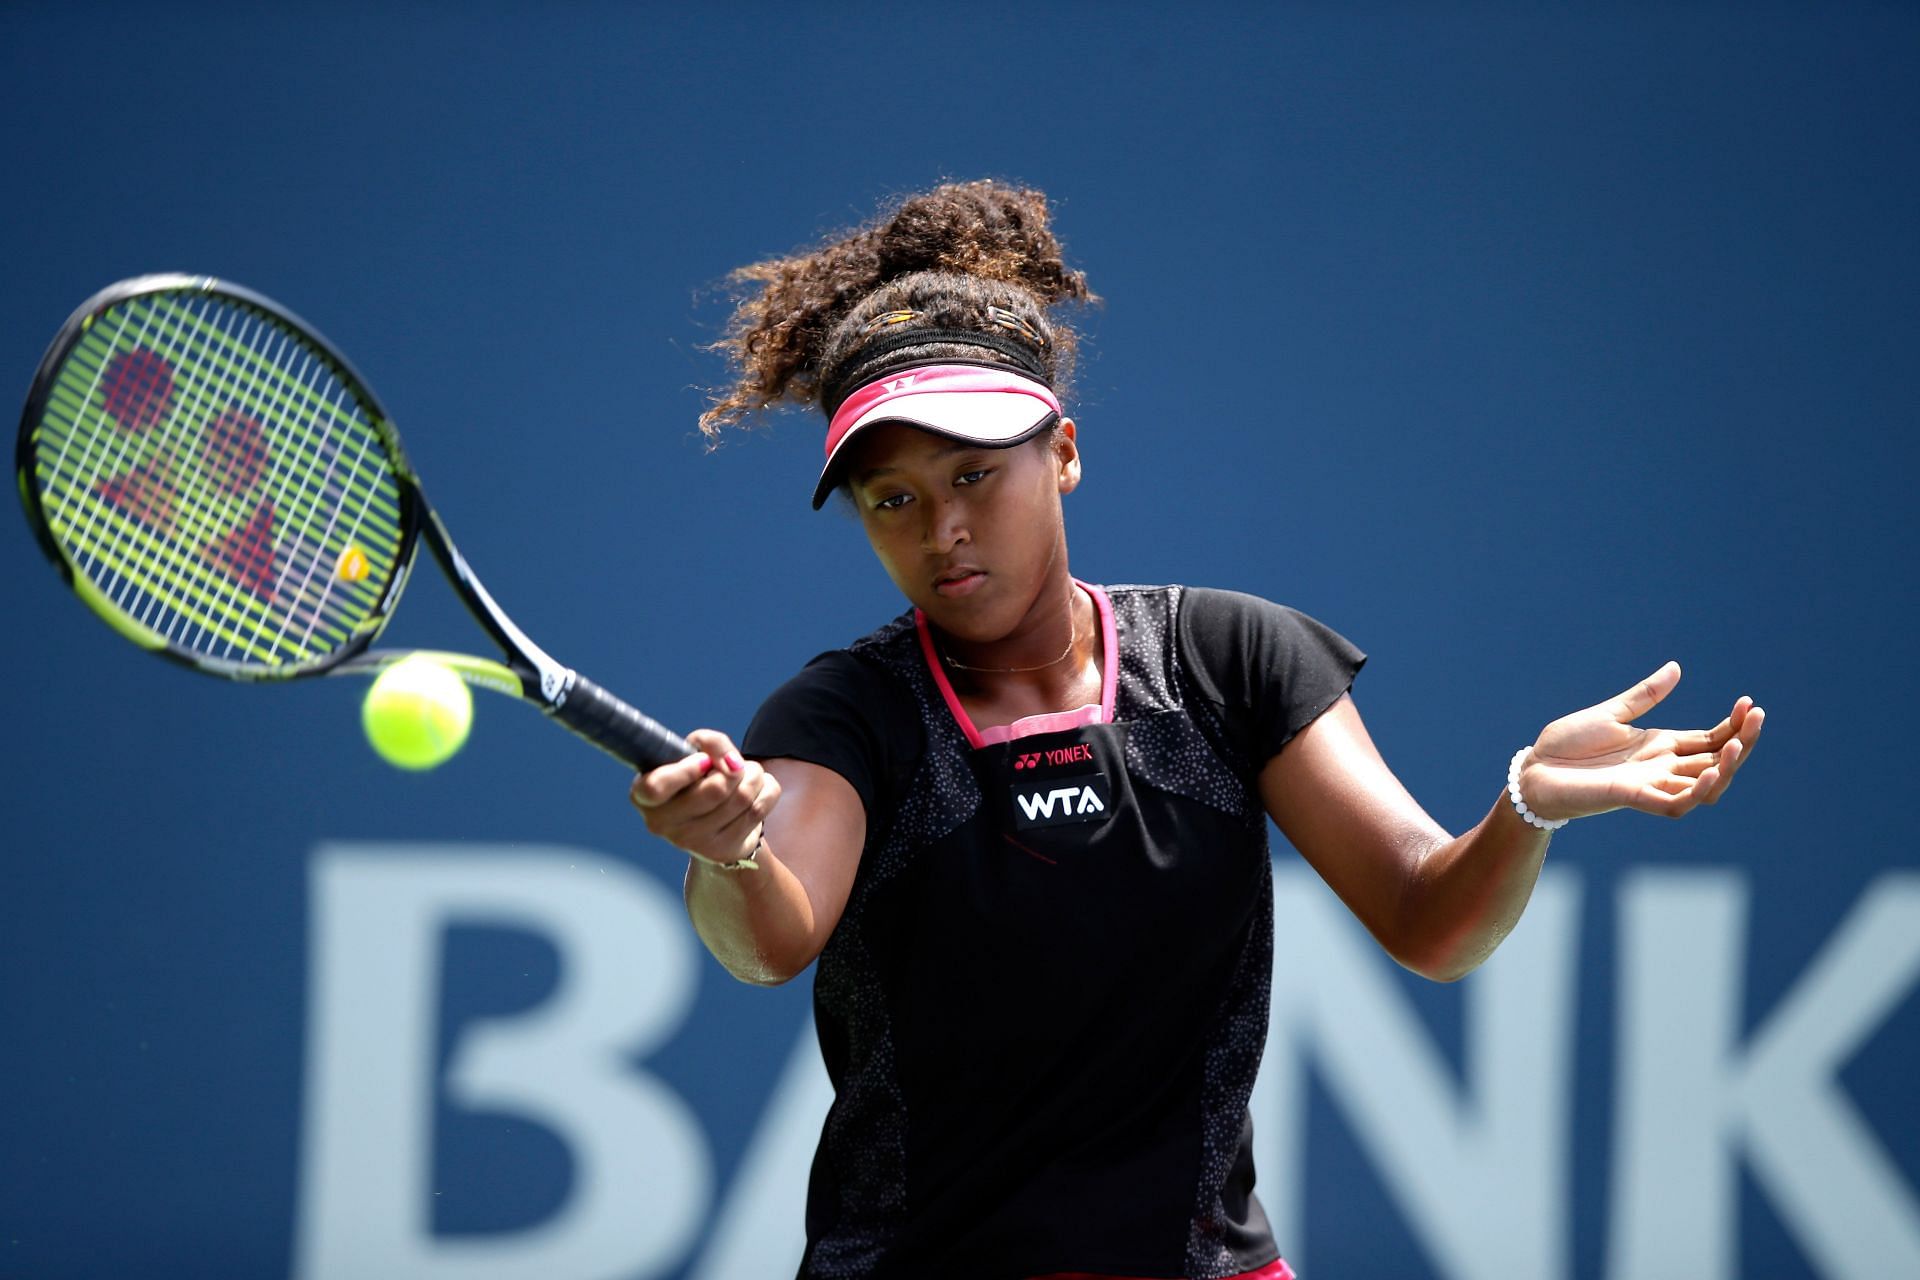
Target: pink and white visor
x=989, y=405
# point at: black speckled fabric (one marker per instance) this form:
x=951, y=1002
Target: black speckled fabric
x=1045, y=1004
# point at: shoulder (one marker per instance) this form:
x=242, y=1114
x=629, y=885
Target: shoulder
x=1269, y=668
x=865, y=676
x=1212, y=618
x=1208, y=624
x=1217, y=605
x=1142, y=612
x=1203, y=604
x=886, y=647
x=851, y=710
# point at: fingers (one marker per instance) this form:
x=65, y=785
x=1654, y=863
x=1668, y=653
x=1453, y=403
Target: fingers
x=1670, y=797
x=1689, y=741
x=719, y=748
x=711, y=803
x=1750, y=726
x=1696, y=780
x=1646, y=695
x=657, y=786
x=1743, y=722
x=1671, y=772
x=712, y=748
x=1737, y=751
x=1690, y=767
x=1728, y=744
x=732, y=830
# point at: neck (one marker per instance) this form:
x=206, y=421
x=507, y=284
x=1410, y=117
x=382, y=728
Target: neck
x=1051, y=657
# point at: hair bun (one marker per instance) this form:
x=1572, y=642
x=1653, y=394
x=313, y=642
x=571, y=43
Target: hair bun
x=956, y=253
x=984, y=228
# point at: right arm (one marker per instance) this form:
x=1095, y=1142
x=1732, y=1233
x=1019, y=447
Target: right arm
x=809, y=825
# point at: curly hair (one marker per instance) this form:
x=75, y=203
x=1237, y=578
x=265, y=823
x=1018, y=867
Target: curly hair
x=977, y=257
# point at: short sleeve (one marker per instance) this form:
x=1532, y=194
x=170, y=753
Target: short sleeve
x=843, y=714
x=1268, y=670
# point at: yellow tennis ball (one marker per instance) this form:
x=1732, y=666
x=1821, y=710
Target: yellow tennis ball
x=417, y=713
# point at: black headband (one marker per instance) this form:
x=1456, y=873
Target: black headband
x=837, y=388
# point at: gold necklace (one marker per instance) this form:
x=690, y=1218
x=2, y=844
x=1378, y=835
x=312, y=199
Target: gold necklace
x=1014, y=671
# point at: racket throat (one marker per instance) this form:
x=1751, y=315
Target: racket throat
x=551, y=682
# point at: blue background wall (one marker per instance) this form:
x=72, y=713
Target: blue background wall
x=1528, y=350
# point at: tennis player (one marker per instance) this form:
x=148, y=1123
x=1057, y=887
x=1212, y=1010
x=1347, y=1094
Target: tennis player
x=1022, y=826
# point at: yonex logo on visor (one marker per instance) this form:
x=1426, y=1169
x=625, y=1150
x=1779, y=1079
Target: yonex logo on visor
x=992, y=405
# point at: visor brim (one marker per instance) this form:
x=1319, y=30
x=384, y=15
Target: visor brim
x=990, y=419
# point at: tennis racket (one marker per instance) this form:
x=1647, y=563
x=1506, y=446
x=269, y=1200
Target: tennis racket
x=213, y=478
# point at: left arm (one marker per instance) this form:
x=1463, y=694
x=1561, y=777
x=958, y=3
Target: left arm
x=1439, y=903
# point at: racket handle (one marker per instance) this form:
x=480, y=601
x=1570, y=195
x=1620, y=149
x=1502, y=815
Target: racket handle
x=616, y=728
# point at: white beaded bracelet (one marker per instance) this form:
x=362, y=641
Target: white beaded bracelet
x=1513, y=793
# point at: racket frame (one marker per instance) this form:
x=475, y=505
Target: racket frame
x=45, y=380
x=528, y=671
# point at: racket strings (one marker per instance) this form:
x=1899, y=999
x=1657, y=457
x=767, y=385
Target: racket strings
x=232, y=554
x=198, y=394
x=141, y=483
x=218, y=482
x=250, y=550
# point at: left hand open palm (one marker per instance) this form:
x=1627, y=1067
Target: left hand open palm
x=1596, y=760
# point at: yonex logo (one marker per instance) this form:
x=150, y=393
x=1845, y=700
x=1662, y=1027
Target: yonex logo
x=897, y=384
x=1078, y=753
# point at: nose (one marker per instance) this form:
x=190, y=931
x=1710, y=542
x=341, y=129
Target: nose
x=946, y=525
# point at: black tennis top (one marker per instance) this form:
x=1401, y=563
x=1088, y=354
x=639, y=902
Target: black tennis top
x=1045, y=1004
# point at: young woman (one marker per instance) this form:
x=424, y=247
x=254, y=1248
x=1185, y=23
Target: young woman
x=1022, y=827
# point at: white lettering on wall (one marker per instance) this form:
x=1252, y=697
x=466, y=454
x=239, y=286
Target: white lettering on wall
x=1477, y=1159
x=1692, y=1100
x=761, y=1228
x=643, y=1179
x=1481, y=1171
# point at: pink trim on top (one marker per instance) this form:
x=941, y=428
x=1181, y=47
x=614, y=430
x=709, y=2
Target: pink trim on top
x=1109, y=649
x=1052, y=722
x=1048, y=722
x=959, y=712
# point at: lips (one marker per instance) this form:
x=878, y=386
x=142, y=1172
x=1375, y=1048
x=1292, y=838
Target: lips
x=959, y=581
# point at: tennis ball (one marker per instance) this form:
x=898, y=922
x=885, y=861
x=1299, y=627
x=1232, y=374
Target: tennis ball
x=417, y=713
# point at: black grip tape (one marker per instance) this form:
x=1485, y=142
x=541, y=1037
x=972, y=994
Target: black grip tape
x=618, y=729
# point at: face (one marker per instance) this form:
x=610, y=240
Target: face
x=973, y=536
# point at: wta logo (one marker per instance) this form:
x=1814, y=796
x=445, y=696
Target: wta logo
x=1080, y=799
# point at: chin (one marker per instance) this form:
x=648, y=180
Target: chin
x=974, y=621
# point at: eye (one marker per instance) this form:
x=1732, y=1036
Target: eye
x=892, y=502
x=973, y=477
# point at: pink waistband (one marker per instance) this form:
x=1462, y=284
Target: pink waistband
x=1275, y=1270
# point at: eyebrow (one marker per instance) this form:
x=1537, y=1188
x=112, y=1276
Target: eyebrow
x=946, y=450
